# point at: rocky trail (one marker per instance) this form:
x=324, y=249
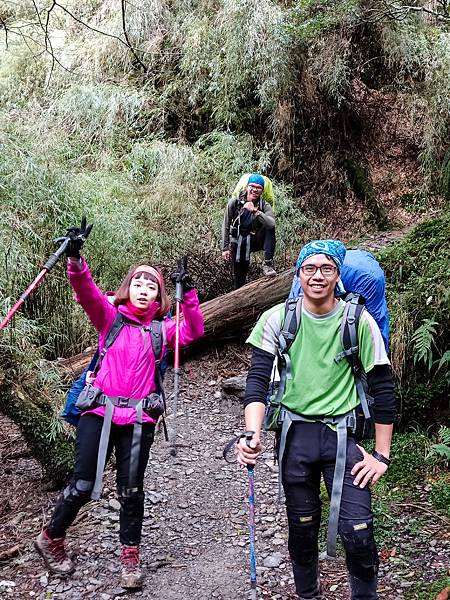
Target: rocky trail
x=195, y=538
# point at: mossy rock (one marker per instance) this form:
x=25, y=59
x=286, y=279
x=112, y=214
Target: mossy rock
x=361, y=184
x=53, y=449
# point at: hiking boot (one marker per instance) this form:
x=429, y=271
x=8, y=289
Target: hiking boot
x=53, y=551
x=131, y=577
x=267, y=269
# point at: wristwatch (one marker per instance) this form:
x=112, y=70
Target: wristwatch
x=381, y=458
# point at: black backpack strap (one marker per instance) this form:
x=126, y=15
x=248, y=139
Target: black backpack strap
x=290, y=327
x=353, y=310
x=157, y=332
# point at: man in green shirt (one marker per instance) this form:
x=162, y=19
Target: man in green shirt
x=320, y=389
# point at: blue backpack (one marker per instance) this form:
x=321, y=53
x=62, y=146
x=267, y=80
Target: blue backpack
x=362, y=275
x=71, y=413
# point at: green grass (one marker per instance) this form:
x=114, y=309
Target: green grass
x=429, y=591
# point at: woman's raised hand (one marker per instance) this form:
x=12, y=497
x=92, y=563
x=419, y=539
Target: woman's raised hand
x=181, y=275
x=77, y=236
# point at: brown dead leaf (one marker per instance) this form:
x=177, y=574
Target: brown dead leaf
x=443, y=594
x=386, y=553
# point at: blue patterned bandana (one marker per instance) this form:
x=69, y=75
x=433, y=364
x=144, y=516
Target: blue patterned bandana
x=334, y=249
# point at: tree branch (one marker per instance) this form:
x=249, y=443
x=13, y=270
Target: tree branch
x=399, y=12
x=124, y=29
x=44, y=25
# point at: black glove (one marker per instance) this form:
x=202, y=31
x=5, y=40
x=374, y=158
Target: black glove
x=182, y=276
x=77, y=237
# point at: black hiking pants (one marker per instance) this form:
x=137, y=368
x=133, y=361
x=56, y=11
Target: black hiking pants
x=311, y=452
x=78, y=492
x=265, y=240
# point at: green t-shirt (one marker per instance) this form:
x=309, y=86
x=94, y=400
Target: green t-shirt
x=319, y=385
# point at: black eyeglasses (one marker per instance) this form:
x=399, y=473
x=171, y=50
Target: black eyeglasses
x=326, y=270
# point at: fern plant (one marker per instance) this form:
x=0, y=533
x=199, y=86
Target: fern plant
x=441, y=450
x=423, y=340
x=444, y=361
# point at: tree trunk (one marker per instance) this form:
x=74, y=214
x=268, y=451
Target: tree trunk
x=47, y=441
x=225, y=317
x=239, y=310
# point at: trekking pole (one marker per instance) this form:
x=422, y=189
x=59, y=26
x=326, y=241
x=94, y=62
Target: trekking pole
x=248, y=435
x=51, y=262
x=182, y=264
x=251, y=519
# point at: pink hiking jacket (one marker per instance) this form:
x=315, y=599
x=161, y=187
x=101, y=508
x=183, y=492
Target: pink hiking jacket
x=128, y=368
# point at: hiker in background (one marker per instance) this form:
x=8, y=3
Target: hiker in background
x=248, y=226
x=121, y=403
x=267, y=194
x=317, y=406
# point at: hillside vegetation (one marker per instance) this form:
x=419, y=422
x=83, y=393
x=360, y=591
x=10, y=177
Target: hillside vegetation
x=146, y=128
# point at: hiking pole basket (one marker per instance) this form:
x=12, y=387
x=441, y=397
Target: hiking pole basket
x=51, y=262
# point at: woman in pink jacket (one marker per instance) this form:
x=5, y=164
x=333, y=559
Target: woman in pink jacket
x=122, y=401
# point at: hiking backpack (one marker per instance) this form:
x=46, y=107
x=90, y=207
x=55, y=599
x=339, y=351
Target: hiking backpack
x=71, y=413
x=363, y=275
x=364, y=425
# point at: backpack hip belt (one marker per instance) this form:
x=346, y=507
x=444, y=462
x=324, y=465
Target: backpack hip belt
x=149, y=403
x=342, y=423
x=240, y=241
x=109, y=402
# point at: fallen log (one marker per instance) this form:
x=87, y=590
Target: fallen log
x=240, y=309
x=225, y=317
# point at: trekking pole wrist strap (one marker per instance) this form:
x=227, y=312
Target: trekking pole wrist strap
x=380, y=457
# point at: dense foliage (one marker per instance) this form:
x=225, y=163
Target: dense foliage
x=344, y=107
x=418, y=272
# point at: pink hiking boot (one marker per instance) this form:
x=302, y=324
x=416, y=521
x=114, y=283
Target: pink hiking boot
x=53, y=551
x=131, y=577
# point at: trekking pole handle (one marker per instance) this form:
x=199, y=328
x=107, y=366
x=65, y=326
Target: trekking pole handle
x=51, y=262
x=182, y=266
x=179, y=292
x=248, y=437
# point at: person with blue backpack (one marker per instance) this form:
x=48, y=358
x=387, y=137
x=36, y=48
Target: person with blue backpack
x=121, y=401
x=329, y=390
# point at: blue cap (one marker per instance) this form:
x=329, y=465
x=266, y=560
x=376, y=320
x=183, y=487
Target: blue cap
x=256, y=178
x=334, y=249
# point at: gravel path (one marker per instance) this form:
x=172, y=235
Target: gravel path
x=195, y=540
